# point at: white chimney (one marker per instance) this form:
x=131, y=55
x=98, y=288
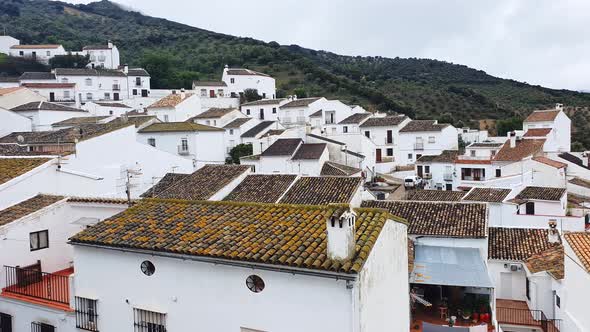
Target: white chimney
x=512, y=137
x=294, y=97
x=559, y=107
x=110, y=44
x=126, y=69
x=553, y=234
x=341, y=230
x=182, y=94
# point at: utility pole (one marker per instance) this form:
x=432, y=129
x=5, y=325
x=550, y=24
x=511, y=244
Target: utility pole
x=130, y=174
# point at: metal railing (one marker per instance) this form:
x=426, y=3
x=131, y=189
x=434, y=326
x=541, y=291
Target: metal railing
x=526, y=317
x=34, y=283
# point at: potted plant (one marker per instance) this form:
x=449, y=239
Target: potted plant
x=466, y=313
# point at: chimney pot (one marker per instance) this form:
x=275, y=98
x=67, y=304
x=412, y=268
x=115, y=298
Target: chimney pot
x=341, y=234
x=126, y=69
x=182, y=94
x=512, y=138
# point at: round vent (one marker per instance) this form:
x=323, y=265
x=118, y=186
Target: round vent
x=148, y=268
x=255, y=283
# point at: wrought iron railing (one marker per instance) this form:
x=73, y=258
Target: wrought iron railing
x=526, y=317
x=34, y=283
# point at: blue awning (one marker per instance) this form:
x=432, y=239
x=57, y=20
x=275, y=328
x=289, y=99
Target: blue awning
x=449, y=266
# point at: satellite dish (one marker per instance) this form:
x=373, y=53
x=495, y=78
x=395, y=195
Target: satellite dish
x=20, y=139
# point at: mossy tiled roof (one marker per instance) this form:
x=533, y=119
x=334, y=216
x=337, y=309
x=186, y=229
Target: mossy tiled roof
x=13, y=167
x=27, y=207
x=275, y=234
x=322, y=190
x=166, y=182
x=436, y=195
x=517, y=244
x=162, y=127
x=262, y=188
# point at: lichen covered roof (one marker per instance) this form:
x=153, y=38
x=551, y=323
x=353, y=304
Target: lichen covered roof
x=435, y=195
x=11, y=168
x=275, y=234
x=322, y=190
x=27, y=207
x=261, y=188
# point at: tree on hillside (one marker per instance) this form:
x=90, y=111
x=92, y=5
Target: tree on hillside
x=507, y=125
x=300, y=92
x=69, y=61
x=251, y=95
x=159, y=65
x=240, y=150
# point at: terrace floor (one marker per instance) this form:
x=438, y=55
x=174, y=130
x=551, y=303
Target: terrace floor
x=419, y=317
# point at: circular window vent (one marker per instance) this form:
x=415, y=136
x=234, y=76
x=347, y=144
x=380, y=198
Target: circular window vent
x=255, y=283
x=148, y=268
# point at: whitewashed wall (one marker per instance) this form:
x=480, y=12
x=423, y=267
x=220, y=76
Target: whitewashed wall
x=11, y=122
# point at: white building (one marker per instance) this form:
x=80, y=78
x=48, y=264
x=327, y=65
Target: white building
x=138, y=82
x=425, y=137
x=35, y=233
x=95, y=84
x=44, y=114
x=176, y=107
x=6, y=42
x=577, y=271
x=55, y=92
x=239, y=79
x=211, y=89
x=234, y=131
x=217, y=117
x=12, y=121
x=40, y=53
x=101, y=108
x=298, y=112
x=200, y=143
x=538, y=124
x=239, y=283
x=13, y=97
x=37, y=77
x=102, y=56
x=469, y=135
x=264, y=109
x=384, y=132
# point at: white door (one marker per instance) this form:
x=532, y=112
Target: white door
x=505, y=286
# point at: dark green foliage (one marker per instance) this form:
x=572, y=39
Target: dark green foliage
x=251, y=95
x=15, y=66
x=69, y=61
x=240, y=150
x=300, y=93
x=506, y=125
x=175, y=54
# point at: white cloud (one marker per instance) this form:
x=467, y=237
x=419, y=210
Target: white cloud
x=538, y=41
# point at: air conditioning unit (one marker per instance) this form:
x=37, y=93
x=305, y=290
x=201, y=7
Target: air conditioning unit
x=515, y=267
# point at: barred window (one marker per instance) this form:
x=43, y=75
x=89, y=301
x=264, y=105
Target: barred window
x=148, y=321
x=86, y=315
x=41, y=327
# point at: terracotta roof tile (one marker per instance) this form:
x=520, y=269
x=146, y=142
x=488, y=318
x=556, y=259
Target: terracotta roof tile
x=244, y=71
x=11, y=168
x=549, y=162
x=264, y=102
x=208, y=83
x=580, y=243
x=541, y=193
x=493, y=195
x=237, y=123
x=282, y=147
x=99, y=200
x=37, y=75
x=166, y=182
x=439, y=219
x=446, y=156
x=45, y=106
x=355, y=118
x=331, y=168
x=550, y=260
x=485, y=145
x=435, y=195
x=322, y=190
x=116, y=105
x=5, y=91
x=310, y=151
x=204, y=183
x=80, y=120
x=273, y=132
x=542, y=116
x=537, y=132
x=573, y=159
x=49, y=85
x=276, y=234
x=580, y=182
x=257, y=129
x=517, y=244
x=422, y=126
x=523, y=149
x=302, y=102
x=27, y=207
x=32, y=47
x=213, y=112
x=160, y=127
x=170, y=100
x=261, y=188
x=387, y=121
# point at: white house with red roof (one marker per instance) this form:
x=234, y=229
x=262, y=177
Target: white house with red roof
x=553, y=125
x=55, y=92
x=40, y=53
x=15, y=96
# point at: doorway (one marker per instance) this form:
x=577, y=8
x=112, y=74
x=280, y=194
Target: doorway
x=378, y=155
x=52, y=96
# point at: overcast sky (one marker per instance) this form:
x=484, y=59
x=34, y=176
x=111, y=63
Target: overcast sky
x=544, y=42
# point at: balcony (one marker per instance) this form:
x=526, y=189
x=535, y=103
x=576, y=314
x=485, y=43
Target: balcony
x=384, y=160
x=418, y=146
x=116, y=87
x=31, y=285
x=517, y=313
x=183, y=150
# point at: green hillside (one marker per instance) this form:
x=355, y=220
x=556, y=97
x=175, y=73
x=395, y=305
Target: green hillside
x=175, y=54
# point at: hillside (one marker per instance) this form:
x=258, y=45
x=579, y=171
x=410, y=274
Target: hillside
x=175, y=54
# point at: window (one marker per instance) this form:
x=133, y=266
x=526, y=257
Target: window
x=39, y=240
x=66, y=94
x=48, y=53
x=21, y=53
x=368, y=133
x=208, y=122
x=152, y=142
x=274, y=110
x=138, y=81
x=111, y=112
x=220, y=92
x=5, y=322
x=88, y=82
x=498, y=173
x=231, y=131
x=203, y=92
x=557, y=301
x=148, y=321
x=107, y=96
x=135, y=92
x=410, y=156
x=147, y=268
x=166, y=119
x=184, y=144
x=528, y=289
x=418, y=156
x=493, y=152
x=247, y=111
x=389, y=139
x=390, y=152
x=41, y=327
x=86, y=315
x=255, y=283
x=472, y=153
x=530, y=208
x=426, y=169
x=345, y=129
x=232, y=80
